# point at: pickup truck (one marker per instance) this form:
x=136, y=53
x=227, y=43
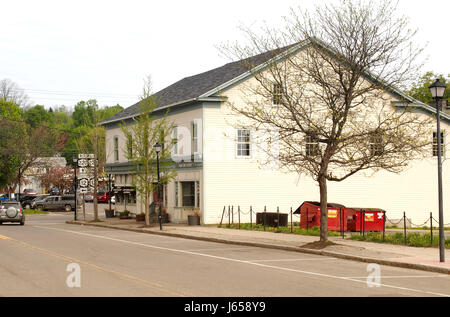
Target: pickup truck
x=65, y=202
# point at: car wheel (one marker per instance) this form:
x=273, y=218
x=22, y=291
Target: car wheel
x=27, y=206
x=68, y=208
x=40, y=207
x=22, y=222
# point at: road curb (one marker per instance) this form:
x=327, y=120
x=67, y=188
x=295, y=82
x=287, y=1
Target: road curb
x=416, y=266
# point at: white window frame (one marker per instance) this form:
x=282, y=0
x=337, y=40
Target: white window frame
x=175, y=137
x=194, y=137
x=240, y=142
x=375, y=143
x=435, y=150
x=277, y=94
x=116, y=148
x=310, y=144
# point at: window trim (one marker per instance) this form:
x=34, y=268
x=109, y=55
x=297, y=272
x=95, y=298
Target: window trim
x=277, y=93
x=435, y=145
x=194, y=137
x=237, y=142
x=175, y=141
x=191, y=183
x=310, y=145
x=376, y=143
x=116, y=148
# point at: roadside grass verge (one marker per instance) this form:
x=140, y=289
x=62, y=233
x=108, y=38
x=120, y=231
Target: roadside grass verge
x=314, y=231
x=412, y=239
x=35, y=212
x=418, y=228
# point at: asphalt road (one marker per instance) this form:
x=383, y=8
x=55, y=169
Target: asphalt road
x=35, y=259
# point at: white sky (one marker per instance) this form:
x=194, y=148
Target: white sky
x=62, y=52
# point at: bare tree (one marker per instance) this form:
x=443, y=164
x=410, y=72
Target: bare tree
x=10, y=91
x=327, y=93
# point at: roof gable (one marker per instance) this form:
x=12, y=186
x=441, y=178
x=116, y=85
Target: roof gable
x=200, y=85
x=211, y=82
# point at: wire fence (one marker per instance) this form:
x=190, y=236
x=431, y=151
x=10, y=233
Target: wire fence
x=231, y=216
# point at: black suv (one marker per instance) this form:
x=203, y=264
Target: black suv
x=26, y=200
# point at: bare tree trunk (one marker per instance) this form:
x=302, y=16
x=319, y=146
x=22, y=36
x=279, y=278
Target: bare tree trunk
x=147, y=215
x=323, y=209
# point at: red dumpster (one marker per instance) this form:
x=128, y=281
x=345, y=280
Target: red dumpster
x=310, y=215
x=373, y=219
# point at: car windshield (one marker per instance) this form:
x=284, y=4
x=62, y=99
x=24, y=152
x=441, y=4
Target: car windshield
x=101, y=193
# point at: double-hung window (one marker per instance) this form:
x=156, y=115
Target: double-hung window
x=376, y=143
x=311, y=145
x=175, y=140
x=188, y=194
x=243, y=145
x=194, y=137
x=277, y=94
x=116, y=148
x=130, y=146
x=435, y=144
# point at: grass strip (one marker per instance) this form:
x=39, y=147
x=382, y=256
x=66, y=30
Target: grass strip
x=314, y=231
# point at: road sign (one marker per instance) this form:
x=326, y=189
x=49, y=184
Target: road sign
x=86, y=156
x=84, y=182
x=86, y=170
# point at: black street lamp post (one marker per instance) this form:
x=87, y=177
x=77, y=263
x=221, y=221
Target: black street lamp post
x=437, y=90
x=158, y=148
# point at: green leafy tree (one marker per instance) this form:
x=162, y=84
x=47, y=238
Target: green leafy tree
x=83, y=113
x=37, y=115
x=420, y=89
x=14, y=132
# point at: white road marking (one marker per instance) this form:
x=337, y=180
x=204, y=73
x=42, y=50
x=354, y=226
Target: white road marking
x=247, y=262
x=225, y=249
x=287, y=260
x=44, y=223
x=401, y=276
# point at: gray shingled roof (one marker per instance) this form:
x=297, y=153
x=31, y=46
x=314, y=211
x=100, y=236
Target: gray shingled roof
x=197, y=85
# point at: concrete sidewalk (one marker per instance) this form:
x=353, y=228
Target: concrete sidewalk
x=385, y=254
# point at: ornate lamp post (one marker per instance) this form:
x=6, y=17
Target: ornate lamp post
x=158, y=148
x=437, y=90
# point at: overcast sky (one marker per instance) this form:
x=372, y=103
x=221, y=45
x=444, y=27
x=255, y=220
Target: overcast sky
x=61, y=52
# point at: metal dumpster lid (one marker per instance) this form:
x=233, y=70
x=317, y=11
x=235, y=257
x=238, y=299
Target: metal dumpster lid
x=366, y=209
x=316, y=203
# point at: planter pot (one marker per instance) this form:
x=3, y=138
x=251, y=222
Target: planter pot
x=140, y=217
x=193, y=220
x=127, y=216
x=109, y=213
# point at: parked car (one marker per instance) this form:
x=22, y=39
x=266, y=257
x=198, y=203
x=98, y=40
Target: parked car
x=11, y=211
x=54, y=191
x=30, y=191
x=65, y=202
x=88, y=197
x=26, y=200
x=103, y=197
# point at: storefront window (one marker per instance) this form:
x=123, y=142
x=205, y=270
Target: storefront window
x=188, y=194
